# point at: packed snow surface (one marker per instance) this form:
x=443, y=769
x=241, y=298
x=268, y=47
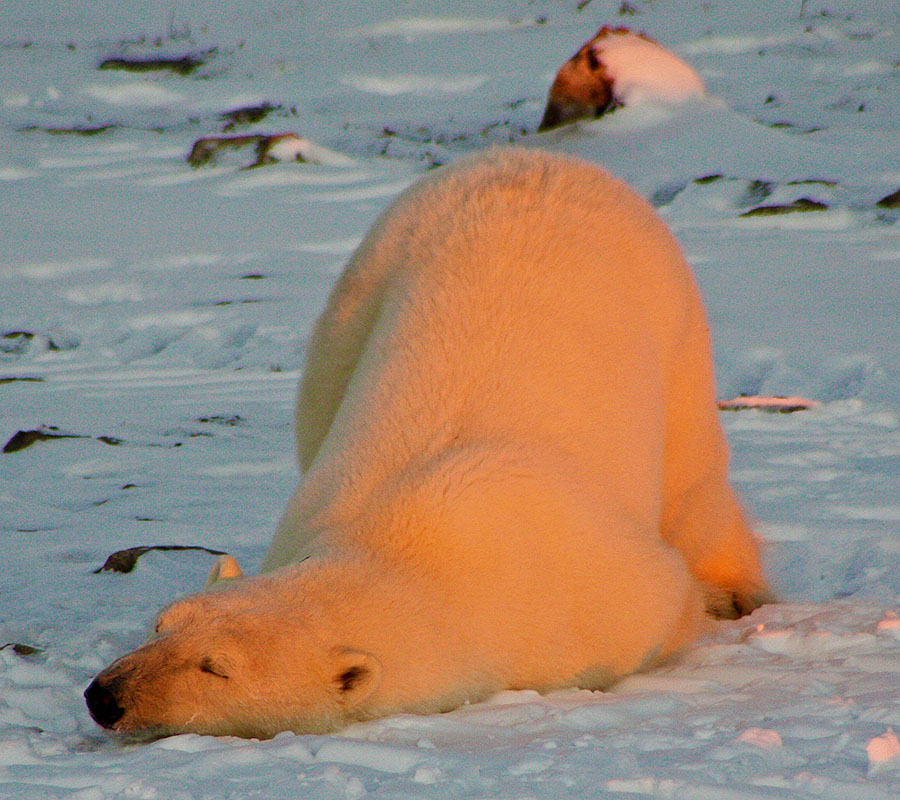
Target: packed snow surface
x=154, y=321
x=641, y=70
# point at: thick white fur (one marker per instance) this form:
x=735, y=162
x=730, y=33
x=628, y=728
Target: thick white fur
x=513, y=471
x=511, y=393
x=529, y=305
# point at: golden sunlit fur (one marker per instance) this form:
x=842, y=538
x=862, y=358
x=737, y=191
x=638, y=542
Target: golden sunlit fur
x=513, y=473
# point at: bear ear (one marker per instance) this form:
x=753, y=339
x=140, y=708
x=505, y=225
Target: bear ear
x=355, y=674
x=225, y=568
x=173, y=616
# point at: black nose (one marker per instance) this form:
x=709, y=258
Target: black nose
x=102, y=704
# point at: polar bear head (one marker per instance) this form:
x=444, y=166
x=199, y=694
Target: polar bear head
x=218, y=663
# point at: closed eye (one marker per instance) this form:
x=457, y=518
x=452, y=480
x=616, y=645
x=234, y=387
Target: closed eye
x=209, y=666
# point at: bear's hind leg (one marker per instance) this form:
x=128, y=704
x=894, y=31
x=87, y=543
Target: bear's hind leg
x=709, y=527
x=701, y=514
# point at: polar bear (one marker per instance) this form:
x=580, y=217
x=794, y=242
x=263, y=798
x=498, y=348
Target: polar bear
x=513, y=474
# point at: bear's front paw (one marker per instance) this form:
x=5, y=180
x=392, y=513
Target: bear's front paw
x=735, y=603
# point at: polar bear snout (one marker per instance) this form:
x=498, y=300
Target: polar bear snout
x=103, y=702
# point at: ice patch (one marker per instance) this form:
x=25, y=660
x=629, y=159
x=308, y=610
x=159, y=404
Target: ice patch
x=510, y=697
x=273, y=177
x=103, y=293
x=429, y=775
x=763, y=738
x=809, y=646
x=364, y=193
x=417, y=84
x=190, y=743
x=186, y=260
x=505, y=715
x=651, y=787
x=92, y=468
x=52, y=270
x=16, y=173
x=868, y=68
x=531, y=766
x=877, y=513
x=289, y=745
x=411, y=28
x=333, y=247
x=632, y=119
x=832, y=219
x=181, y=177
x=349, y=786
x=734, y=44
x=133, y=93
x=885, y=255
x=661, y=684
x=13, y=753
x=610, y=713
x=15, y=100
x=78, y=162
x=248, y=469
x=772, y=532
x=171, y=319
x=371, y=755
x=28, y=675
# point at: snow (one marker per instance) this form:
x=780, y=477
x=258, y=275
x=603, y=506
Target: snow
x=883, y=751
x=168, y=308
x=641, y=70
x=411, y=83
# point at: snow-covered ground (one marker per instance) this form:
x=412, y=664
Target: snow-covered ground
x=157, y=315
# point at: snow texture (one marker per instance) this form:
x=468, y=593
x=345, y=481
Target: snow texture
x=642, y=71
x=155, y=318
